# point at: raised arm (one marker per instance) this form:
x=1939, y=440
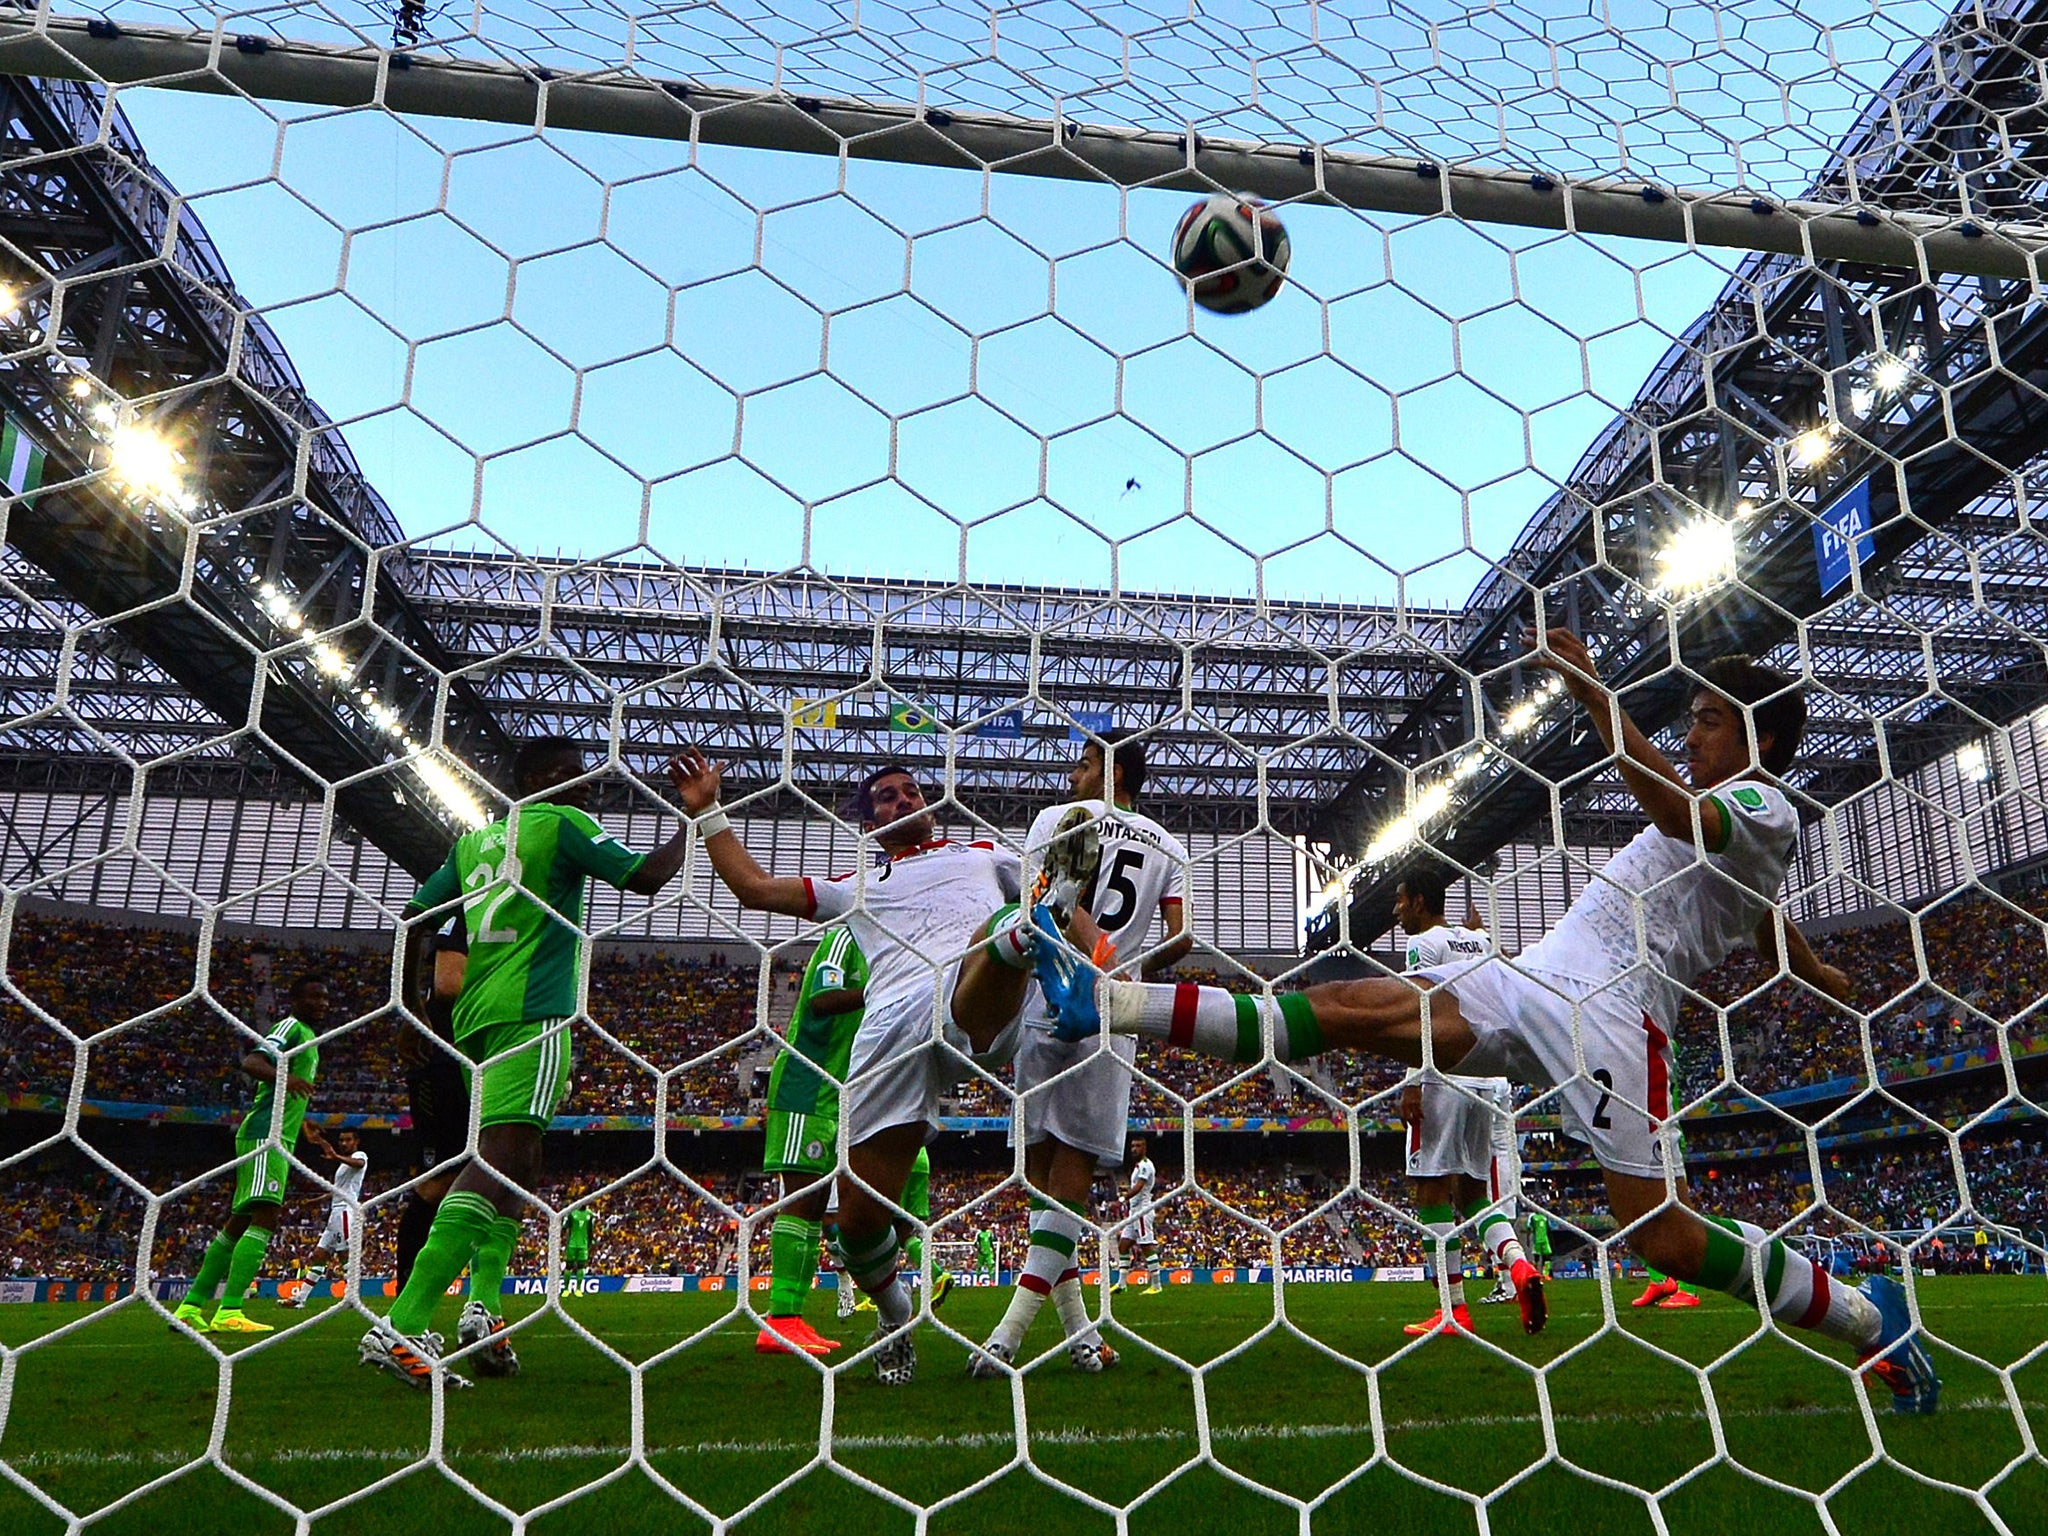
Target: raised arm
x=1798, y=956
x=697, y=779
x=1665, y=797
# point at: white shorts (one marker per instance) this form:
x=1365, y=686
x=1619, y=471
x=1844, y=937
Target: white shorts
x=334, y=1238
x=1137, y=1229
x=1454, y=1135
x=899, y=1067
x=1077, y=1093
x=1610, y=1061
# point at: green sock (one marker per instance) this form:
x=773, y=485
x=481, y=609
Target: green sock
x=1296, y=1034
x=461, y=1222
x=913, y=1254
x=213, y=1268
x=793, y=1259
x=248, y=1258
x=493, y=1258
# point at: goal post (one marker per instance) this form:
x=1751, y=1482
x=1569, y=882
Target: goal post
x=932, y=133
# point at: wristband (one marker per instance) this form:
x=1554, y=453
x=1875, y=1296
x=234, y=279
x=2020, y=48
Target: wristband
x=712, y=822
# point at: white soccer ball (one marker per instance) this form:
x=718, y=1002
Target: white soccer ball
x=1231, y=251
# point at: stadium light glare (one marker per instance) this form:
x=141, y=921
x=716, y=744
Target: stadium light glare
x=1698, y=557
x=1812, y=448
x=145, y=463
x=9, y=299
x=1973, y=763
x=441, y=773
x=1745, y=508
x=1890, y=373
x=81, y=387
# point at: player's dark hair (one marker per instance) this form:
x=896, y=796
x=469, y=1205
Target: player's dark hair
x=1774, y=704
x=1428, y=883
x=864, y=791
x=1126, y=755
x=304, y=980
x=540, y=754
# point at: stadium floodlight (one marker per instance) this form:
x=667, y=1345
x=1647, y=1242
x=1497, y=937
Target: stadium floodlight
x=1890, y=373
x=1812, y=448
x=1697, y=558
x=144, y=462
x=1973, y=763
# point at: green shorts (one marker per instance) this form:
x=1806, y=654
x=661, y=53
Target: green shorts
x=575, y=1258
x=260, y=1178
x=801, y=1143
x=527, y=1086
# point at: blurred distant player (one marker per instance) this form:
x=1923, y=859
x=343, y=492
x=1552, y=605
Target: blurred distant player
x=985, y=1251
x=351, y=1166
x=1461, y=1139
x=288, y=1058
x=521, y=881
x=803, y=1136
x=1539, y=1242
x=436, y=1095
x=576, y=1243
x=1074, y=1100
x=1589, y=1008
x=949, y=958
x=1136, y=1239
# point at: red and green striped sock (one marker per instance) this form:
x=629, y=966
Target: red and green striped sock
x=1212, y=1021
x=1797, y=1291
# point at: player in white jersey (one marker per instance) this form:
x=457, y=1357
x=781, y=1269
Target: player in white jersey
x=1139, y=1236
x=948, y=966
x=1589, y=1008
x=1074, y=1098
x=1455, y=1130
x=352, y=1163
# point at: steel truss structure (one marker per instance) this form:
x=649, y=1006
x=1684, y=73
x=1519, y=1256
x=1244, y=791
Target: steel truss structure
x=1939, y=638
x=1320, y=719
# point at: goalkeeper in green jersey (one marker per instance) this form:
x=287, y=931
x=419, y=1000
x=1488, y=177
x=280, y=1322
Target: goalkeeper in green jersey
x=521, y=882
x=1539, y=1242
x=287, y=1057
x=576, y=1243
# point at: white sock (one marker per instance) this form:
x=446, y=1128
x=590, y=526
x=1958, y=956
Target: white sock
x=1073, y=1308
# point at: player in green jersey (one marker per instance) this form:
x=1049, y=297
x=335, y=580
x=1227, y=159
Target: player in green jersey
x=521, y=882
x=576, y=1242
x=269, y=1134
x=985, y=1251
x=1539, y=1242
x=803, y=1133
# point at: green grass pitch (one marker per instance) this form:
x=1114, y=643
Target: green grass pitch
x=108, y=1402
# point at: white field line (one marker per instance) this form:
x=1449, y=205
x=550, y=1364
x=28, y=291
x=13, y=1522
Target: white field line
x=31, y=1461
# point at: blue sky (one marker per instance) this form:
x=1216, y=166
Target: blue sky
x=567, y=344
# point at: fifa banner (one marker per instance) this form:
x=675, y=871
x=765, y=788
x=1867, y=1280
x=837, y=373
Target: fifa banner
x=173, y=1288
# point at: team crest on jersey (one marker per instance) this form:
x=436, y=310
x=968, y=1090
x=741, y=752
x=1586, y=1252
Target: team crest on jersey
x=814, y=1148
x=1749, y=799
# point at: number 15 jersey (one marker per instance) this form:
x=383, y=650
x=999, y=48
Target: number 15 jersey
x=1143, y=867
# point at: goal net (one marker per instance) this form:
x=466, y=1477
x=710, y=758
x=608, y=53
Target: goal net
x=833, y=388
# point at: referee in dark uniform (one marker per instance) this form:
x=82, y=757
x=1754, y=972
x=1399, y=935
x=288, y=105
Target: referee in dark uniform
x=437, y=1095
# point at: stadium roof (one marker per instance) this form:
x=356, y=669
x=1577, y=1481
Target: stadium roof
x=1326, y=715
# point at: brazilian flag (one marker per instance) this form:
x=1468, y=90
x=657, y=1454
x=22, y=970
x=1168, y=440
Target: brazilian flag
x=911, y=718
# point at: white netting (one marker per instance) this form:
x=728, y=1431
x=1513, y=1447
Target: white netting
x=811, y=384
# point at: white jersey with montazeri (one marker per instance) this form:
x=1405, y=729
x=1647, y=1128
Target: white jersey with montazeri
x=1446, y=950
x=918, y=911
x=1144, y=1179
x=348, y=1180
x=1143, y=867
x=1694, y=909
